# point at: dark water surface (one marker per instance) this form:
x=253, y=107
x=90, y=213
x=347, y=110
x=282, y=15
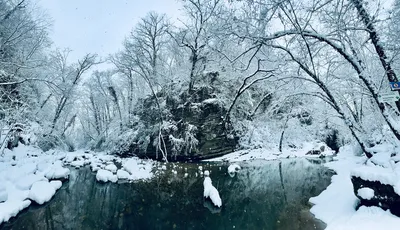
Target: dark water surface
x=263, y=195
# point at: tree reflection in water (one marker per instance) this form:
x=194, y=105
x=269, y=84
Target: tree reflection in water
x=263, y=195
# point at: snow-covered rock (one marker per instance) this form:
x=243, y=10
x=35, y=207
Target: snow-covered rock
x=57, y=171
x=56, y=184
x=112, y=168
x=26, y=182
x=139, y=170
x=78, y=163
x=123, y=175
x=10, y=209
x=206, y=173
x=366, y=193
x=211, y=192
x=233, y=168
x=105, y=176
x=41, y=192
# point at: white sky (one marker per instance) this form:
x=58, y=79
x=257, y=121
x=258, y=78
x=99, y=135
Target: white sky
x=99, y=26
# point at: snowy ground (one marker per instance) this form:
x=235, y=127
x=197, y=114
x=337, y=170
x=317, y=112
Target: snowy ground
x=28, y=175
x=273, y=154
x=336, y=206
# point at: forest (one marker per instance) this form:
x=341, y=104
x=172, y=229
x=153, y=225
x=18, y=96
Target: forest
x=272, y=77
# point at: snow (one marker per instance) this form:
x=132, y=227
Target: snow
x=366, y=193
x=3, y=192
x=26, y=182
x=273, y=153
x=211, y=192
x=27, y=173
x=105, y=176
x=123, y=175
x=139, y=170
x=233, y=168
x=56, y=184
x=112, y=168
x=41, y=192
x=210, y=101
x=206, y=173
x=377, y=173
x=336, y=205
x=57, y=171
x=12, y=208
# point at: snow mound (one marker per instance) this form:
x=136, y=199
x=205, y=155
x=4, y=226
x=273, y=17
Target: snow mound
x=123, y=175
x=105, y=176
x=112, y=168
x=41, y=192
x=25, y=183
x=56, y=184
x=12, y=208
x=206, y=173
x=57, y=171
x=377, y=173
x=211, y=192
x=366, y=193
x=139, y=170
x=233, y=168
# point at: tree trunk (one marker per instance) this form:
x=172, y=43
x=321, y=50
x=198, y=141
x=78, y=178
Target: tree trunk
x=373, y=35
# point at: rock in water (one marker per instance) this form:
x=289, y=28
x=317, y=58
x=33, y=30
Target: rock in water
x=211, y=192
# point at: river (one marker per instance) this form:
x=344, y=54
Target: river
x=263, y=195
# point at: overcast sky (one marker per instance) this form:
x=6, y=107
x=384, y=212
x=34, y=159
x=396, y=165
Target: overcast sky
x=99, y=26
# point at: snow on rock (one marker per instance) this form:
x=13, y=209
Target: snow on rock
x=57, y=171
x=26, y=182
x=123, y=175
x=366, y=193
x=12, y=208
x=206, y=173
x=41, y=192
x=112, y=168
x=233, y=168
x=139, y=170
x=78, y=163
x=105, y=176
x=56, y=184
x=274, y=153
x=210, y=101
x=211, y=192
x=377, y=173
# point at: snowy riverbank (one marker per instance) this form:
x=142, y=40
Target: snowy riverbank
x=273, y=154
x=28, y=175
x=336, y=206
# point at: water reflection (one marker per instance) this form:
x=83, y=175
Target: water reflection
x=263, y=195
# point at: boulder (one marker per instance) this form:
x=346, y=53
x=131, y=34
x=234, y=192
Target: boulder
x=384, y=196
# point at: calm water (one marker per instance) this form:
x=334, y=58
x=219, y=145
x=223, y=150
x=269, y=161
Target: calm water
x=263, y=195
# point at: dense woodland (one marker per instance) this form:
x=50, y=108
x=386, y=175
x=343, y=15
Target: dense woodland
x=276, y=73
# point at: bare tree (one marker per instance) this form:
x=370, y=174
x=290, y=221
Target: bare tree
x=195, y=34
x=71, y=78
